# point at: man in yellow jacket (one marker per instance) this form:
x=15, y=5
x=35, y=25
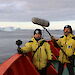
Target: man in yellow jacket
x=42, y=55
x=67, y=43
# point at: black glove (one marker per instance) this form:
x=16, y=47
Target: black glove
x=19, y=50
x=71, y=59
x=18, y=43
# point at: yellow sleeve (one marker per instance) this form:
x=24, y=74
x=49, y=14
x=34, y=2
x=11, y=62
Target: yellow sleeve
x=73, y=46
x=27, y=47
x=59, y=42
x=48, y=50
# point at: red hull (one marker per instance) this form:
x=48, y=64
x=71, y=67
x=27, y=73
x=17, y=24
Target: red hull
x=18, y=65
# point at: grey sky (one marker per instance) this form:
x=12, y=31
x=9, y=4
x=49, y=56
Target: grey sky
x=24, y=10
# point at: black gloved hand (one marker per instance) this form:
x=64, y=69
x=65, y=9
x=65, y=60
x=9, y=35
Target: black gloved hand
x=19, y=50
x=18, y=43
x=71, y=59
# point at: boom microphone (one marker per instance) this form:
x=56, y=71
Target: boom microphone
x=41, y=22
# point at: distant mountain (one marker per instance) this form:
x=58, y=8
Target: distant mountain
x=9, y=29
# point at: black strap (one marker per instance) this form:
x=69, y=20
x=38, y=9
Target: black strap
x=56, y=45
x=38, y=47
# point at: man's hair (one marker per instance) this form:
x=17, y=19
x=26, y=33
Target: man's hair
x=37, y=31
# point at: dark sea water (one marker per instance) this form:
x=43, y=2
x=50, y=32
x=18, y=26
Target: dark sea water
x=8, y=39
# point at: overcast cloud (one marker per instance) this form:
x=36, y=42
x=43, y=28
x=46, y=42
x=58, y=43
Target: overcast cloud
x=24, y=10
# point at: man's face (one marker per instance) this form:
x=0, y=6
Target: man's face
x=37, y=36
x=67, y=31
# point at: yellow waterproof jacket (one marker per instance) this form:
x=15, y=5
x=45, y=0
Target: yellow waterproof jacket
x=42, y=54
x=68, y=45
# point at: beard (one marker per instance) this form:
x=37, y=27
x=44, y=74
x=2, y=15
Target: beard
x=66, y=33
x=37, y=39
